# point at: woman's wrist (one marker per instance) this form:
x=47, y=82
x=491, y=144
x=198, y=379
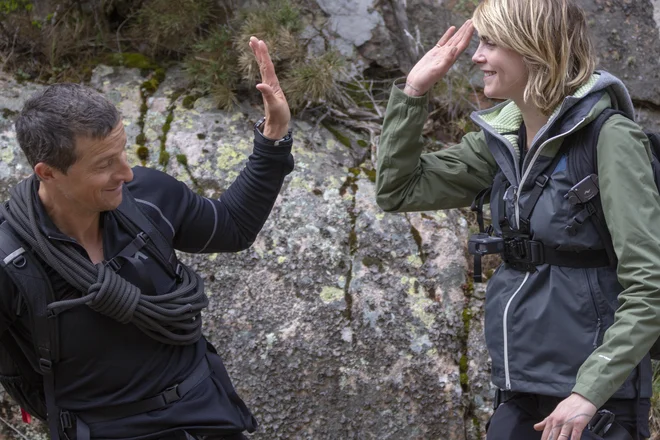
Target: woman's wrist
x=411, y=90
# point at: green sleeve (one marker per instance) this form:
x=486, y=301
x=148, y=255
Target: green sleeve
x=407, y=180
x=631, y=205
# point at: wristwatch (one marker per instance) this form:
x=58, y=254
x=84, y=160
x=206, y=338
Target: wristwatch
x=268, y=141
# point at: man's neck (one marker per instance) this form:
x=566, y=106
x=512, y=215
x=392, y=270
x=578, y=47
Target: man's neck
x=79, y=224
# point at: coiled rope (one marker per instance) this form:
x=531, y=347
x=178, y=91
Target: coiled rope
x=173, y=318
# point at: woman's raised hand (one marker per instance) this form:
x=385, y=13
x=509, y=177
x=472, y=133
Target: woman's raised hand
x=437, y=61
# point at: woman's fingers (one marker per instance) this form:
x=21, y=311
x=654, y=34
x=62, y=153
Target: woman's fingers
x=446, y=36
x=463, y=40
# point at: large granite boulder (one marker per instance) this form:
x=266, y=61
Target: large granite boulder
x=341, y=321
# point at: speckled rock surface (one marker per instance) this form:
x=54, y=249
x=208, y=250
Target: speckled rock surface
x=626, y=37
x=341, y=321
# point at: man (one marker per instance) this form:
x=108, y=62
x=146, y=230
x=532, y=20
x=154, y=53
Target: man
x=132, y=363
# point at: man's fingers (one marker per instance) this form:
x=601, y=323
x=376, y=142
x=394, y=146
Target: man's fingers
x=254, y=45
x=266, y=66
x=446, y=36
x=265, y=89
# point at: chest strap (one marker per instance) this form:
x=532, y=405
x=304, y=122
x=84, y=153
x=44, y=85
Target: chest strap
x=106, y=414
x=523, y=254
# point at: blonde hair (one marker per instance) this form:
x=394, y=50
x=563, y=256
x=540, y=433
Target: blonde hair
x=551, y=36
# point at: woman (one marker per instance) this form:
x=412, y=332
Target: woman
x=567, y=332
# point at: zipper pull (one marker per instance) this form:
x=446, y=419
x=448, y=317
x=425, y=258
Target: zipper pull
x=598, y=323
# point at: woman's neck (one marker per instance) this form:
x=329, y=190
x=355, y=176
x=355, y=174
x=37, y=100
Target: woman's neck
x=534, y=120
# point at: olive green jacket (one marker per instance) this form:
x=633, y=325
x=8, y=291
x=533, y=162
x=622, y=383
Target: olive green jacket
x=556, y=330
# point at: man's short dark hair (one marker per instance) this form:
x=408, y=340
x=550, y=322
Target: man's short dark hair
x=50, y=120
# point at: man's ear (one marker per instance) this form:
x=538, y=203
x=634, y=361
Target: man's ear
x=44, y=172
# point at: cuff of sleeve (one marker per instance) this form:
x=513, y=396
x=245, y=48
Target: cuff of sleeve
x=592, y=395
x=285, y=146
x=416, y=101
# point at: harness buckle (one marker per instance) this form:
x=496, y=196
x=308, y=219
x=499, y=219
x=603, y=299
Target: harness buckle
x=171, y=394
x=601, y=422
x=66, y=421
x=113, y=264
x=45, y=365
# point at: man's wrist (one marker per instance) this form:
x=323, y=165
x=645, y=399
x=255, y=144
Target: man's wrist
x=270, y=135
x=274, y=132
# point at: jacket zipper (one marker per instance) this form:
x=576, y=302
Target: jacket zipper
x=599, y=321
x=531, y=162
x=507, y=378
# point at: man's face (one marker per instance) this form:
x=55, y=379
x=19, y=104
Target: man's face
x=94, y=182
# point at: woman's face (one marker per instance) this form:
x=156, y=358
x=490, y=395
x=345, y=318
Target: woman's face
x=505, y=73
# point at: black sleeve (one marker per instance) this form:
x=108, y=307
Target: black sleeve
x=228, y=224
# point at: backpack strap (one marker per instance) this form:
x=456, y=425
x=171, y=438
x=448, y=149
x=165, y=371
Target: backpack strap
x=478, y=207
x=535, y=194
x=588, y=165
x=33, y=284
x=165, y=255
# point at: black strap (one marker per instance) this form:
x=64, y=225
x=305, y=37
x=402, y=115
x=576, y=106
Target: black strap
x=535, y=194
x=524, y=254
x=165, y=253
x=167, y=397
x=582, y=259
x=478, y=207
x=31, y=280
x=591, y=134
x=126, y=255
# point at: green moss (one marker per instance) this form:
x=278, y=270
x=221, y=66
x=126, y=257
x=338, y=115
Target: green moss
x=6, y=113
x=143, y=153
x=463, y=368
x=372, y=262
x=337, y=134
x=189, y=101
x=141, y=139
x=467, y=318
x=182, y=159
x=355, y=171
x=150, y=86
x=168, y=124
x=477, y=425
x=201, y=136
x=371, y=174
x=159, y=74
x=163, y=158
x=363, y=143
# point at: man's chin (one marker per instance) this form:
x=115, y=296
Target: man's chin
x=112, y=203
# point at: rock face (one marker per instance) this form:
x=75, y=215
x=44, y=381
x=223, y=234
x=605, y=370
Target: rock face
x=625, y=34
x=340, y=321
